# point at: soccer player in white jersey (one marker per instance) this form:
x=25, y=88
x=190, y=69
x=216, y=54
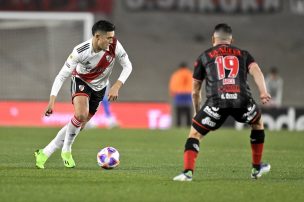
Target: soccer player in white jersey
x=89, y=65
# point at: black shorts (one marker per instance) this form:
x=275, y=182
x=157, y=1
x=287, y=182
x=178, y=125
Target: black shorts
x=211, y=118
x=79, y=87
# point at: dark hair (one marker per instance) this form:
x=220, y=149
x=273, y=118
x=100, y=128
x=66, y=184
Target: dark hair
x=223, y=27
x=103, y=26
x=183, y=64
x=274, y=70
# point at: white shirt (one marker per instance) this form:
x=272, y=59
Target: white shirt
x=93, y=68
x=275, y=89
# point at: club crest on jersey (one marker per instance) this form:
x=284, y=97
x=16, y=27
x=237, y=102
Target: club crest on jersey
x=81, y=87
x=108, y=58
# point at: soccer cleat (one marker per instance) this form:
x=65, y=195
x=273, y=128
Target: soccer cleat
x=257, y=173
x=40, y=158
x=185, y=176
x=68, y=160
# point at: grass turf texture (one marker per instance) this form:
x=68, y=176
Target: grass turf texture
x=149, y=161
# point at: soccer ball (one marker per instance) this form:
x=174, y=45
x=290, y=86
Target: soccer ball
x=108, y=158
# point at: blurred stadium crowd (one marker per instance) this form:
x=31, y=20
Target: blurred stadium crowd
x=157, y=35
x=156, y=40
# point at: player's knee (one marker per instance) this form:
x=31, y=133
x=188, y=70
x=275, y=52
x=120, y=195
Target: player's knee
x=82, y=117
x=198, y=131
x=258, y=124
x=197, y=134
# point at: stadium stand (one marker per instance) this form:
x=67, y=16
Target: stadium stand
x=155, y=42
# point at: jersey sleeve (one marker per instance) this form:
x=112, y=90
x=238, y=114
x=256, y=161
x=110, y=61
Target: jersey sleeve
x=123, y=59
x=65, y=72
x=199, y=70
x=249, y=60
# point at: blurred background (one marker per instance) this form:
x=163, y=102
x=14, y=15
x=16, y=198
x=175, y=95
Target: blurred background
x=36, y=37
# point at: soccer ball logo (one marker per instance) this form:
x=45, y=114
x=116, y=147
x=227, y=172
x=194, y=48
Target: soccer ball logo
x=108, y=158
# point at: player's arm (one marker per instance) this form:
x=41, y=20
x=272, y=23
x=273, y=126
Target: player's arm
x=63, y=74
x=126, y=65
x=259, y=80
x=196, y=95
x=199, y=74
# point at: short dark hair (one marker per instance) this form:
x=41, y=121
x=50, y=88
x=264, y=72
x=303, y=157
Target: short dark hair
x=223, y=27
x=274, y=70
x=103, y=26
x=183, y=64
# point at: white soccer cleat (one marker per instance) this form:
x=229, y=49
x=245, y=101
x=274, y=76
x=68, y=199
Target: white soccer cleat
x=184, y=177
x=255, y=173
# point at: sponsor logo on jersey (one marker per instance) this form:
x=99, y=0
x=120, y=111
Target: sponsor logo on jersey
x=229, y=96
x=229, y=89
x=251, y=113
x=232, y=96
x=207, y=121
x=212, y=112
x=81, y=87
x=228, y=81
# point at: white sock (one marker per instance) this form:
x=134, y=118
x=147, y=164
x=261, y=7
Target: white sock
x=56, y=143
x=73, y=128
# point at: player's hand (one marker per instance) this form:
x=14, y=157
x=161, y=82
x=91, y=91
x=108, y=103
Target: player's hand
x=265, y=97
x=113, y=94
x=48, y=111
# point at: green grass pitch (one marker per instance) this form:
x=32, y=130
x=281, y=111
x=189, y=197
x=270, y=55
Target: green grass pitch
x=149, y=161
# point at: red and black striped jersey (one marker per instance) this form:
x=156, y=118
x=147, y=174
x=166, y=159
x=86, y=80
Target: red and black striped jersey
x=225, y=69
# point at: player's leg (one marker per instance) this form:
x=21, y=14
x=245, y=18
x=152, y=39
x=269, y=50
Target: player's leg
x=110, y=119
x=106, y=106
x=81, y=111
x=54, y=145
x=208, y=118
x=83, y=125
x=252, y=116
x=81, y=94
x=183, y=116
x=178, y=116
x=111, y=122
x=188, y=115
x=257, y=138
x=43, y=154
x=94, y=104
x=190, y=154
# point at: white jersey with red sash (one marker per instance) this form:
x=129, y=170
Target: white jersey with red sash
x=93, y=68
